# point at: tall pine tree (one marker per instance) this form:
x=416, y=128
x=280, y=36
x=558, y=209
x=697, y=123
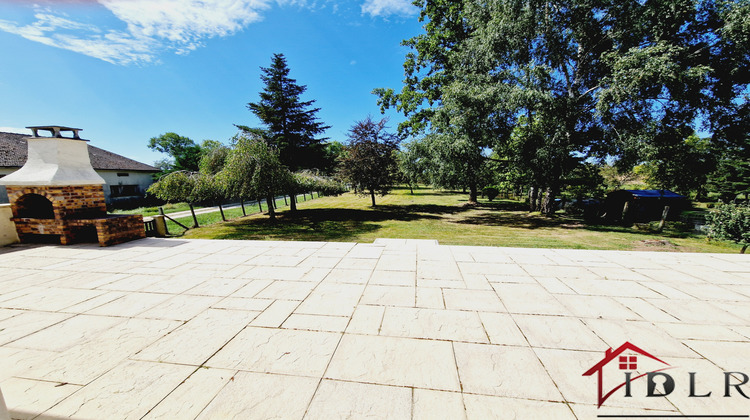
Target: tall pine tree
x=291, y=124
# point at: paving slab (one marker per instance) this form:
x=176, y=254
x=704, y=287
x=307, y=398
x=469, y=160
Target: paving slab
x=397, y=329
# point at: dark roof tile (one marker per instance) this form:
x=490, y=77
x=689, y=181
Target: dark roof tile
x=13, y=151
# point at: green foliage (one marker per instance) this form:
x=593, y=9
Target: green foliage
x=191, y=187
x=291, y=124
x=253, y=169
x=214, y=157
x=412, y=163
x=369, y=163
x=730, y=222
x=185, y=153
x=311, y=181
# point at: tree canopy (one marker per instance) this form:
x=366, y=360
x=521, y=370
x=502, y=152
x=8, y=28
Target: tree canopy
x=370, y=162
x=185, y=153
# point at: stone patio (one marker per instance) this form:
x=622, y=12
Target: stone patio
x=398, y=329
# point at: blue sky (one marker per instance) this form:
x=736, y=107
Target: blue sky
x=128, y=70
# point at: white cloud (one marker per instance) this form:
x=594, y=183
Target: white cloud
x=382, y=8
x=151, y=27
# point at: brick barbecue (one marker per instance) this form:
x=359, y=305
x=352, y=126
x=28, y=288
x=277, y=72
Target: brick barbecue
x=58, y=197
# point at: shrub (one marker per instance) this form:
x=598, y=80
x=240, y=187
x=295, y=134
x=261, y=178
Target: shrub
x=730, y=222
x=490, y=192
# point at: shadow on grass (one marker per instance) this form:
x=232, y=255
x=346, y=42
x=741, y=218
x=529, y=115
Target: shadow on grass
x=328, y=224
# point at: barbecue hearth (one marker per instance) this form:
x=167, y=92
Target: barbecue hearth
x=58, y=197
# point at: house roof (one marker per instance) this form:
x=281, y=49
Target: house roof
x=610, y=354
x=13, y=152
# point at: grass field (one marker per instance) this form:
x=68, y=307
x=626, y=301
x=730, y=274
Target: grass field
x=431, y=214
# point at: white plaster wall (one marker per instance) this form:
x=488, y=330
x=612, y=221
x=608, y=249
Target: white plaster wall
x=142, y=179
x=3, y=192
x=8, y=233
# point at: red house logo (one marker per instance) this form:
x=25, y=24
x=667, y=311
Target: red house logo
x=626, y=363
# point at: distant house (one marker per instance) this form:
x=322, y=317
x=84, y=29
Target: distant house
x=127, y=179
x=643, y=205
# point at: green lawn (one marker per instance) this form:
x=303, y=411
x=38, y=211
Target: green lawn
x=431, y=214
x=150, y=211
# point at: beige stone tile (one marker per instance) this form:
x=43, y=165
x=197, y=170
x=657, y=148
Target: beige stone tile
x=502, y=329
x=395, y=361
x=647, y=310
x=352, y=400
x=730, y=356
x=612, y=288
x=434, y=405
x=261, y=396
x=275, y=314
x=584, y=306
x=290, y=352
x=559, y=271
x=320, y=262
x=353, y=276
x=436, y=324
x=251, y=289
x=684, y=331
x=529, y=299
x=133, y=283
x=92, y=303
x=287, y=290
x=130, y=305
x=586, y=411
x=473, y=300
x=15, y=361
x=393, y=278
x=174, y=285
x=493, y=370
x=406, y=262
x=332, y=299
x=9, y=313
x=218, y=286
x=489, y=268
x=28, y=323
x=85, y=362
x=438, y=270
x=357, y=263
x=430, y=297
x=51, y=299
x=554, y=285
x=68, y=333
x=243, y=304
x=193, y=395
x=558, y=332
x=26, y=398
x=659, y=341
x=198, y=339
x=366, y=320
x=444, y=284
x=477, y=282
x=487, y=407
x=128, y=391
x=180, y=307
x=389, y=295
x=316, y=322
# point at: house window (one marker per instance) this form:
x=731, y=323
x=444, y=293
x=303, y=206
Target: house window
x=123, y=174
x=628, y=362
x=123, y=190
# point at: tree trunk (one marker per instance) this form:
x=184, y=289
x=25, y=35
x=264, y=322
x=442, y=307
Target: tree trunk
x=269, y=204
x=548, y=205
x=195, y=219
x=260, y=206
x=744, y=248
x=292, y=201
x=473, y=194
x=242, y=204
x=372, y=195
x=411, y=189
x=221, y=210
x=532, y=199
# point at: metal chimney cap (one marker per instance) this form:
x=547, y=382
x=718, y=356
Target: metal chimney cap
x=55, y=131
